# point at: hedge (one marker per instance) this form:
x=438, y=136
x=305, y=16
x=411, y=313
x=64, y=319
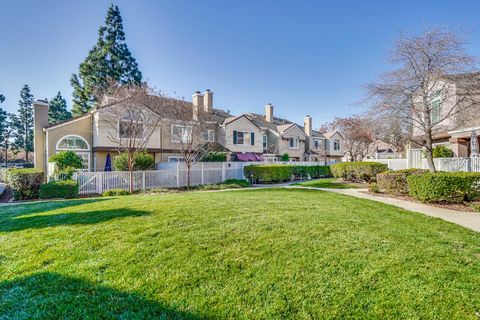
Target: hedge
x=451, y=187
x=358, y=171
x=115, y=192
x=24, y=182
x=395, y=182
x=59, y=189
x=283, y=172
x=214, y=156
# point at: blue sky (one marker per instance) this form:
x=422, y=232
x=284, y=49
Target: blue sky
x=305, y=57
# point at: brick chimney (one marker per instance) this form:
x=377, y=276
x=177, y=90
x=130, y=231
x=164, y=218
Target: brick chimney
x=197, y=100
x=307, y=125
x=40, y=121
x=269, y=112
x=208, y=101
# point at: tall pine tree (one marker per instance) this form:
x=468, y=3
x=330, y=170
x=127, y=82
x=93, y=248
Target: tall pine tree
x=109, y=60
x=57, y=110
x=4, y=130
x=22, y=123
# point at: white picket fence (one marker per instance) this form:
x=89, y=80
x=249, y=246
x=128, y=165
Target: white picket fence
x=168, y=175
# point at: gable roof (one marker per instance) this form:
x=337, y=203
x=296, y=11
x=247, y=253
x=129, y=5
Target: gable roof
x=330, y=134
x=233, y=119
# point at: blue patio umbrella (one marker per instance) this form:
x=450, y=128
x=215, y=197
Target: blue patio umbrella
x=108, y=163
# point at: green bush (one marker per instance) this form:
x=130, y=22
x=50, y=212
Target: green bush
x=395, y=182
x=358, y=171
x=3, y=173
x=142, y=161
x=241, y=182
x=24, y=182
x=442, y=152
x=284, y=157
x=59, y=189
x=451, y=187
x=66, y=163
x=214, y=156
x=373, y=187
x=115, y=193
x=283, y=172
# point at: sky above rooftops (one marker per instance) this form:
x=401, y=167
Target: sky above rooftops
x=305, y=57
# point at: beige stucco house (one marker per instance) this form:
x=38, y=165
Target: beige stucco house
x=246, y=137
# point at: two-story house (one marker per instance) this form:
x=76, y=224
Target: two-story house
x=247, y=137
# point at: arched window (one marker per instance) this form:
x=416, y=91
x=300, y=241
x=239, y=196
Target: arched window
x=72, y=142
x=77, y=144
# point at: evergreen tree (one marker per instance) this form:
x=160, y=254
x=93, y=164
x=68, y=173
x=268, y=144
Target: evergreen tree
x=57, y=110
x=109, y=60
x=4, y=130
x=22, y=123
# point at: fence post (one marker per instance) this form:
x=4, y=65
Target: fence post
x=178, y=174
x=143, y=181
x=203, y=181
x=99, y=178
x=223, y=171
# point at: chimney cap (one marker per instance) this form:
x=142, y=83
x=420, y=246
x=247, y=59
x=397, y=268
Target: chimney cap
x=208, y=90
x=307, y=116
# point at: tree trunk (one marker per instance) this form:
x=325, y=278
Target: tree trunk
x=188, y=176
x=130, y=168
x=429, y=153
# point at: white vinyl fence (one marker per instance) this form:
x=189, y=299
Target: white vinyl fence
x=168, y=175
x=415, y=160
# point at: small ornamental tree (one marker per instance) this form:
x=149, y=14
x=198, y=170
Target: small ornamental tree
x=66, y=163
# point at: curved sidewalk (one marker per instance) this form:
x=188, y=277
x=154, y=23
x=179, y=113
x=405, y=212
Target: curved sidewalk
x=470, y=220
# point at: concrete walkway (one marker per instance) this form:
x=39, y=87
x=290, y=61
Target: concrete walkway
x=470, y=220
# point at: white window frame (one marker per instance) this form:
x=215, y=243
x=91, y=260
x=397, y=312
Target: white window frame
x=137, y=122
x=178, y=158
x=80, y=152
x=336, y=142
x=245, y=134
x=174, y=138
x=265, y=141
x=320, y=143
x=296, y=143
x=212, y=132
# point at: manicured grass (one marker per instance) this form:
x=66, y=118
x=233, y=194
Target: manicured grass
x=330, y=183
x=271, y=253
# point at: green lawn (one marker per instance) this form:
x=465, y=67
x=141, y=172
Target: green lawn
x=330, y=183
x=271, y=253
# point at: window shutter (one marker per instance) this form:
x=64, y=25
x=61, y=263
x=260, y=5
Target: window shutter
x=252, y=138
x=234, y=137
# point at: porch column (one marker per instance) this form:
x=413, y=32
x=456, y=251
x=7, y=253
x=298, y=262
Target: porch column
x=459, y=146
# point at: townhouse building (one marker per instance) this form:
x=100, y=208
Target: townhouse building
x=245, y=137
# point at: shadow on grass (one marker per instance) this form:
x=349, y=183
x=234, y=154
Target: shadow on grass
x=53, y=296
x=16, y=223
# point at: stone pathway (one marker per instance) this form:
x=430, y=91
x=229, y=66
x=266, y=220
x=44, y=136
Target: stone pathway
x=470, y=220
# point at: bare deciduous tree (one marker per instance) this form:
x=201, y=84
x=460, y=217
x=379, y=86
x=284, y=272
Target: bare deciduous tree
x=193, y=132
x=431, y=89
x=357, y=133
x=134, y=113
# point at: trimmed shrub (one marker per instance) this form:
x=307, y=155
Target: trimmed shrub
x=284, y=157
x=59, y=189
x=358, y=171
x=373, y=187
x=24, y=182
x=451, y=187
x=214, y=156
x=3, y=173
x=115, y=193
x=143, y=161
x=442, y=152
x=241, y=182
x=395, y=182
x=283, y=172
